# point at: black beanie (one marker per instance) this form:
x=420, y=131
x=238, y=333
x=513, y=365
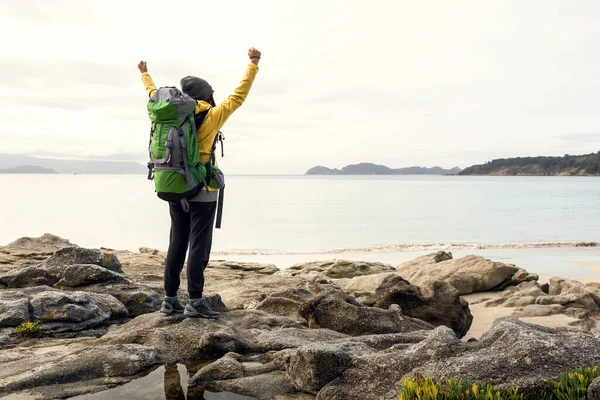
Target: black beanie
x=196, y=88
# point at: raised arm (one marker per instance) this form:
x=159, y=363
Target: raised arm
x=147, y=79
x=224, y=110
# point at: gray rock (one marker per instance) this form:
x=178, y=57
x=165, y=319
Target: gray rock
x=311, y=367
x=67, y=276
x=71, y=311
x=227, y=367
x=13, y=311
x=87, y=274
x=286, y=302
x=177, y=338
x=77, y=255
x=27, y=251
x=263, y=269
x=511, y=354
x=536, y=310
x=436, y=302
x=137, y=299
x=572, y=294
x=215, y=302
x=25, y=277
x=593, y=392
x=337, y=269
x=468, y=274
x=273, y=385
x=336, y=311
x=44, y=371
x=522, y=301
x=59, y=311
x=286, y=338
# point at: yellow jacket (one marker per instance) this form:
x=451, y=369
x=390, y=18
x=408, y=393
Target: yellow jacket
x=216, y=116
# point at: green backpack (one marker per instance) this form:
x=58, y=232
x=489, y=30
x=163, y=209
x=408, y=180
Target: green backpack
x=174, y=162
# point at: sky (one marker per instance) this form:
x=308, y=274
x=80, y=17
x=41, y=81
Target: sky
x=394, y=82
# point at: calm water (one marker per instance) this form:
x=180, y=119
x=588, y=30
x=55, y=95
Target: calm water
x=164, y=383
x=310, y=214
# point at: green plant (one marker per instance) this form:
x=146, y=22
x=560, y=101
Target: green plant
x=429, y=389
x=572, y=385
x=29, y=328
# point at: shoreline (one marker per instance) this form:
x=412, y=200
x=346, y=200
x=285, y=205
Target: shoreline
x=416, y=247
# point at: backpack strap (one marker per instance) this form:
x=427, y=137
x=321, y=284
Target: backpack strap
x=220, y=208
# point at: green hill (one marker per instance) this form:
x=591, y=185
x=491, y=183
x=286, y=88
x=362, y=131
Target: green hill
x=375, y=169
x=568, y=165
x=27, y=169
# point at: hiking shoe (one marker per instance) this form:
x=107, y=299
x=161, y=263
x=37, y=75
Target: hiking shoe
x=171, y=306
x=201, y=309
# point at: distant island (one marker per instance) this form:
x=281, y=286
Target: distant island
x=20, y=163
x=27, y=169
x=568, y=165
x=374, y=169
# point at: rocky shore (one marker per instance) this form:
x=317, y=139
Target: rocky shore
x=76, y=321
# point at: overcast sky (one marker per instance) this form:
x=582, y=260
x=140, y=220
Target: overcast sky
x=393, y=82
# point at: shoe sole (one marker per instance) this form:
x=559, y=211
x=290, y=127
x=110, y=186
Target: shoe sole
x=199, y=315
x=171, y=311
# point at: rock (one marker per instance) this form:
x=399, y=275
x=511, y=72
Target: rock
x=364, y=284
x=337, y=269
x=288, y=302
x=512, y=354
x=138, y=299
x=70, y=311
x=470, y=274
x=429, y=259
x=86, y=274
x=572, y=294
x=536, y=310
x=43, y=245
x=436, y=302
x=273, y=385
x=77, y=255
x=264, y=269
x=68, y=276
x=27, y=251
x=58, y=311
x=226, y=367
x=593, y=391
x=13, y=311
x=311, y=367
x=177, y=338
x=45, y=372
x=25, y=277
x=245, y=290
x=523, y=301
x=336, y=311
x=288, y=338
x=215, y=302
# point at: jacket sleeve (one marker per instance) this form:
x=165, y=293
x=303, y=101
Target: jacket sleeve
x=224, y=110
x=149, y=84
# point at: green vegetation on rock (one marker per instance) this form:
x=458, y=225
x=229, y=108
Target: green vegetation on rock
x=587, y=164
x=570, y=386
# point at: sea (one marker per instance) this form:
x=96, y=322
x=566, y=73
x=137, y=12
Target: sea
x=289, y=219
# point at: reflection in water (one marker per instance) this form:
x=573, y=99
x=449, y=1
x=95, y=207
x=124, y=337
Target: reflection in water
x=174, y=381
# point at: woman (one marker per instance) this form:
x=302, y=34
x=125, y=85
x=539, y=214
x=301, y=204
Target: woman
x=196, y=227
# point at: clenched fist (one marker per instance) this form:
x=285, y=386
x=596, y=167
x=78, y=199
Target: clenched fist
x=143, y=67
x=254, y=55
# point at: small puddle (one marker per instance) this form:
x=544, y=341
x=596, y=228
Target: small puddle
x=164, y=383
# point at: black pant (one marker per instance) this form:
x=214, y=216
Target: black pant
x=195, y=228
